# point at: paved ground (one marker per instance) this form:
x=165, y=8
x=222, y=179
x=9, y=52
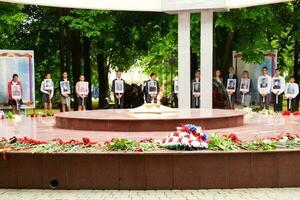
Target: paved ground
x=233, y=194
x=256, y=125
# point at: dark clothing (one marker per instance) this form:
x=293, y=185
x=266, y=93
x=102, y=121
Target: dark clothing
x=195, y=100
x=148, y=97
x=81, y=101
x=118, y=103
x=234, y=95
x=12, y=102
x=264, y=103
x=45, y=98
x=277, y=105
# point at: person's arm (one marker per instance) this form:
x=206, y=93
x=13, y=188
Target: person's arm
x=77, y=89
x=258, y=85
x=158, y=89
x=269, y=85
x=9, y=90
x=282, y=85
x=296, y=90
x=88, y=89
x=43, y=88
x=285, y=92
x=52, y=90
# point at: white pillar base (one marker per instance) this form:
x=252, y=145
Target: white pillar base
x=184, y=82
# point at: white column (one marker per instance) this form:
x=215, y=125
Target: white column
x=184, y=82
x=206, y=59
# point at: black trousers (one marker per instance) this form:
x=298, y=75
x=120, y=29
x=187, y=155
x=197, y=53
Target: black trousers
x=119, y=104
x=265, y=102
x=293, y=107
x=277, y=105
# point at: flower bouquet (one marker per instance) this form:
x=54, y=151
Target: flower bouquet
x=186, y=137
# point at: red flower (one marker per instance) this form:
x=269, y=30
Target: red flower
x=163, y=140
x=138, y=149
x=176, y=134
x=296, y=113
x=187, y=136
x=107, y=142
x=286, y=113
x=170, y=140
x=179, y=140
x=147, y=140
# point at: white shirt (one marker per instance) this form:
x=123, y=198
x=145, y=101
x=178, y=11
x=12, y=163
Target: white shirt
x=295, y=88
x=282, y=85
x=267, y=89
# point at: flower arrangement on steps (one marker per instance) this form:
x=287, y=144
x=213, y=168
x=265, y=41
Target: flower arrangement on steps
x=186, y=138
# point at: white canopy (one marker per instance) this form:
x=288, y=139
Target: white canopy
x=149, y=5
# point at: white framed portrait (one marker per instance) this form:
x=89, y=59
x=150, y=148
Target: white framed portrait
x=176, y=86
x=48, y=84
x=119, y=86
x=276, y=84
x=65, y=87
x=196, y=88
x=291, y=89
x=231, y=85
x=152, y=87
x=245, y=85
x=16, y=91
x=263, y=84
x=83, y=88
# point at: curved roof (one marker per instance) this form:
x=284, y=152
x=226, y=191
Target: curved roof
x=149, y=5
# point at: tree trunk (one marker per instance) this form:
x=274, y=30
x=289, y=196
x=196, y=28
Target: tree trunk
x=102, y=75
x=76, y=61
x=87, y=69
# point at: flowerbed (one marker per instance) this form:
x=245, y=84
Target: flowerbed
x=267, y=112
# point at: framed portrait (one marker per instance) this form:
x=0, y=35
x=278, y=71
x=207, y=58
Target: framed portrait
x=152, y=87
x=196, y=88
x=83, y=88
x=65, y=87
x=231, y=84
x=16, y=91
x=176, y=86
x=291, y=90
x=119, y=86
x=263, y=83
x=48, y=84
x=276, y=85
x=245, y=85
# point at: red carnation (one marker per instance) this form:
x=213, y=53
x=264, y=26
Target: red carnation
x=286, y=113
x=296, y=113
x=139, y=149
x=170, y=140
x=176, y=134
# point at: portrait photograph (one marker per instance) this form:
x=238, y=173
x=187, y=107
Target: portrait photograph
x=264, y=83
x=245, y=85
x=65, y=87
x=276, y=84
x=119, y=86
x=48, y=84
x=16, y=91
x=84, y=88
x=231, y=84
x=176, y=86
x=196, y=88
x=152, y=87
x=291, y=89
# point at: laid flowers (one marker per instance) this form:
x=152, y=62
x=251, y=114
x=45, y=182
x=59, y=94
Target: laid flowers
x=186, y=137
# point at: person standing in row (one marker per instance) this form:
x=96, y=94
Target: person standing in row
x=151, y=89
x=218, y=76
x=277, y=89
x=196, y=89
x=47, y=88
x=245, y=89
x=82, y=91
x=291, y=92
x=65, y=92
x=15, y=92
x=232, y=94
x=264, y=89
x=118, y=90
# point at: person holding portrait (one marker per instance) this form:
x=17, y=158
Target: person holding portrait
x=196, y=89
x=231, y=93
x=264, y=89
x=278, y=88
x=65, y=92
x=245, y=89
x=151, y=89
x=118, y=90
x=47, y=88
x=15, y=92
x=291, y=93
x=82, y=91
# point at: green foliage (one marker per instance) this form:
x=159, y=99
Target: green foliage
x=261, y=145
x=10, y=115
x=123, y=144
x=221, y=143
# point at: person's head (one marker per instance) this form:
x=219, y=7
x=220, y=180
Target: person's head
x=118, y=74
x=81, y=77
x=48, y=76
x=153, y=76
x=197, y=74
x=245, y=74
x=65, y=75
x=231, y=83
x=15, y=77
x=277, y=72
x=231, y=70
x=265, y=71
x=276, y=82
x=292, y=80
x=218, y=73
